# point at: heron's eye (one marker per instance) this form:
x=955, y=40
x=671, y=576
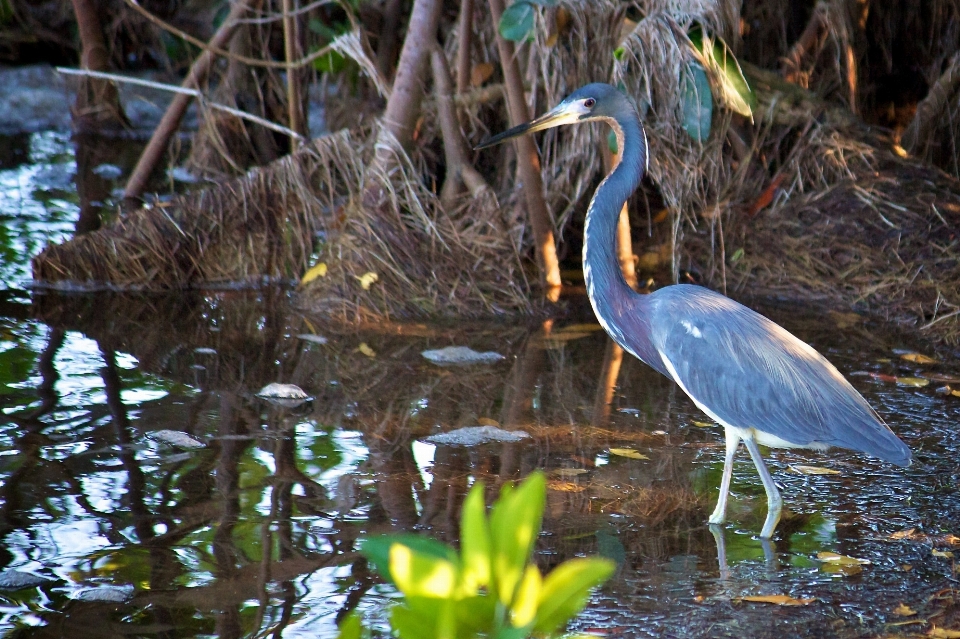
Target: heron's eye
x=589, y=102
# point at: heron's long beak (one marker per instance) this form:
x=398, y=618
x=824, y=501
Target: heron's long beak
x=563, y=113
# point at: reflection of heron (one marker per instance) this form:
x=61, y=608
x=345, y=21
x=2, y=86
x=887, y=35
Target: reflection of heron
x=749, y=374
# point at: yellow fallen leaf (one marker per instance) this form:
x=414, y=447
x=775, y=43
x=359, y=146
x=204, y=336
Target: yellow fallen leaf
x=702, y=424
x=564, y=486
x=581, y=328
x=943, y=633
x=366, y=350
x=627, y=452
x=955, y=393
x=486, y=421
x=813, y=470
x=903, y=534
x=315, y=271
x=845, y=320
x=367, y=280
x=953, y=540
x=913, y=381
x=568, y=472
x=904, y=610
x=565, y=336
x=844, y=560
x=780, y=600
x=900, y=151
x=918, y=358
x=906, y=567
x=946, y=554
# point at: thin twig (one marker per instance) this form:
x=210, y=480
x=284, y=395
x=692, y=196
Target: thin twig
x=179, y=89
x=253, y=62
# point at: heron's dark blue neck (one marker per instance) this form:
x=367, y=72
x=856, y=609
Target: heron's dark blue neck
x=617, y=305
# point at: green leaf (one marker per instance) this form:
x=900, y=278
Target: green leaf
x=475, y=542
x=516, y=23
x=514, y=525
x=525, y=603
x=733, y=89
x=475, y=615
x=696, y=102
x=377, y=550
x=350, y=627
x=419, y=574
x=332, y=62
x=566, y=589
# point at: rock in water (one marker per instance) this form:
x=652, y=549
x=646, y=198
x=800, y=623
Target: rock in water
x=461, y=356
x=476, y=435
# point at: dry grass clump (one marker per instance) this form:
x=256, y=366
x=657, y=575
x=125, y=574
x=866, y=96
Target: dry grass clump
x=258, y=226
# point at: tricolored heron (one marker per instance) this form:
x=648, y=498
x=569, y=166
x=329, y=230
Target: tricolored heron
x=749, y=374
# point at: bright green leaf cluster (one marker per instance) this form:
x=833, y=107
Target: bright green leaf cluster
x=490, y=588
x=732, y=85
x=729, y=84
x=516, y=22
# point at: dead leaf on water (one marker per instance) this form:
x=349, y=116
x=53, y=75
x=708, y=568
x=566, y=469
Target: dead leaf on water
x=918, y=382
x=702, y=424
x=904, y=610
x=366, y=350
x=568, y=472
x=486, y=421
x=844, y=320
x=903, y=534
x=813, y=470
x=946, y=554
x=580, y=328
x=843, y=560
x=367, y=280
x=918, y=358
x=943, y=633
x=780, y=600
x=564, y=486
x=315, y=271
x=627, y=452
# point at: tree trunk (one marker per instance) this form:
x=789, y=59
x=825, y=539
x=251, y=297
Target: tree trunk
x=157, y=145
x=98, y=101
x=528, y=161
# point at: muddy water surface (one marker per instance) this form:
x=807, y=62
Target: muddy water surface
x=110, y=527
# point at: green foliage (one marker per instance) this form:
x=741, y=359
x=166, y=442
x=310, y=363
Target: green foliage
x=696, y=102
x=731, y=85
x=490, y=588
x=332, y=62
x=516, y=22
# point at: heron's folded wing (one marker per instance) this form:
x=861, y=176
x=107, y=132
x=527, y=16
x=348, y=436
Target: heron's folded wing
x=750, y=373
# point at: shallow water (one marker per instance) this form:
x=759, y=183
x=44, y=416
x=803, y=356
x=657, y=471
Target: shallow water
x=255, y=531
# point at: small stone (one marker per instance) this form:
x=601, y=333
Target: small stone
x=108, y=171
x=106, y=594
x=16, y=580
x=176, y=438
x=461, y=356
x=287, y=395
x=476, y=435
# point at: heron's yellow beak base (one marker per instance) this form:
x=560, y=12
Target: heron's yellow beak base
x=563, y=113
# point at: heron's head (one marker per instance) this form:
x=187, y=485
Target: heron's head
x=596, y=101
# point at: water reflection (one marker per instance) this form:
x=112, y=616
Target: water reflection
x=256, y=532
